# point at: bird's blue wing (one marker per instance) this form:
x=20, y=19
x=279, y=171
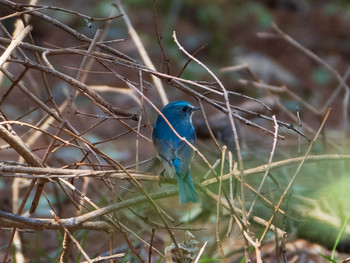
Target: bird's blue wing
x=166, y=152
x=182, y=159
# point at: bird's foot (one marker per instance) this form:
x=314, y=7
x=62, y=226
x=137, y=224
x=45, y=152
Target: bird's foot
x=161, y=177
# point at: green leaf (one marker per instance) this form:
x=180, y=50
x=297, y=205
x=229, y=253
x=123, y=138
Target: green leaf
x=342, y=229
x=327, y=258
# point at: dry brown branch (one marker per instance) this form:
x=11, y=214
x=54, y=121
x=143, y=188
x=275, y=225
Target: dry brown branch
x=295, y=174
x=177, y=82
x=238, y=211
x=189, y=60
x=32, y=159
x=83, y=89
x=315, y=57
x=173, y=80
x=104, y=259
x=159, y=38
x=274, y=165
x=13, y=171
x=14, y=44
x=107, y=217
x=267, y=168
x=40, y=7
x=143, y=53
x=200, y=252
x=282, y=89
x=71, y=237
x=136, y=184
x=217, y=235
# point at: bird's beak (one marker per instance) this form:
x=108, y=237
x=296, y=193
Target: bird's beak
x=195, y=108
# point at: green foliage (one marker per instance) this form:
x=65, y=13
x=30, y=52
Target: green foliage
x=5, y=82
x=40, y=254
x=103, y=9
x=13, y=251
x=142, y=3
x=321, y=75
x=257, y=11
x=59, y=243
x=337, y=7
x=210, y=16
x=127, y=256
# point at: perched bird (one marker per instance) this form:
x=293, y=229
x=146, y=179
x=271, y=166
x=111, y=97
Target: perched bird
x=175, y=153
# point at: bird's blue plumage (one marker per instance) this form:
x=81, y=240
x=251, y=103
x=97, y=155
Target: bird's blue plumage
x=175, y=153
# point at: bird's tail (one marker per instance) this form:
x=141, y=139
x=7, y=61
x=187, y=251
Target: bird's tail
x=187, y=192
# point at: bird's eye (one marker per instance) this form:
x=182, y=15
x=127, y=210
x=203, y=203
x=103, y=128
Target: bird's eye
x=184, y=109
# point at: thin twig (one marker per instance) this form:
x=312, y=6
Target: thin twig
x=295, y=175
x=217, y=235
x=16, y=41
x=67, y=232
x=208, y=126
x=150, y=246
x=189, y=60
x=316, y=58
x=142, y=51
x=39, y=7
x=200, y=252
x=230, y=224
x=272, y=153
x=142, y=106
x=159, y=38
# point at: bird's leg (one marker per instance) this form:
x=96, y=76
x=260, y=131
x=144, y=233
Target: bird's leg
x=161, y=178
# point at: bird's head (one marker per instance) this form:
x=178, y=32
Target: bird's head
x=179, y=109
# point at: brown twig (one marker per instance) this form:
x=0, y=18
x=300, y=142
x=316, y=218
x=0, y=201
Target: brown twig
x=14, y=44
x=218, y=241
x=189, y=60
x=69, y=234
x=159, y=38
x=40, y=7
x=295, y=175
x=83, y=89
x=267, y=168
x=142, y=51
x=150, y=246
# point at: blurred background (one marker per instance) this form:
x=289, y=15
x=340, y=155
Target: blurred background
x=237, y=35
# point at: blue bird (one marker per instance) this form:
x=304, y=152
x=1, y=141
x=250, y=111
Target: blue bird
x=176, y=154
